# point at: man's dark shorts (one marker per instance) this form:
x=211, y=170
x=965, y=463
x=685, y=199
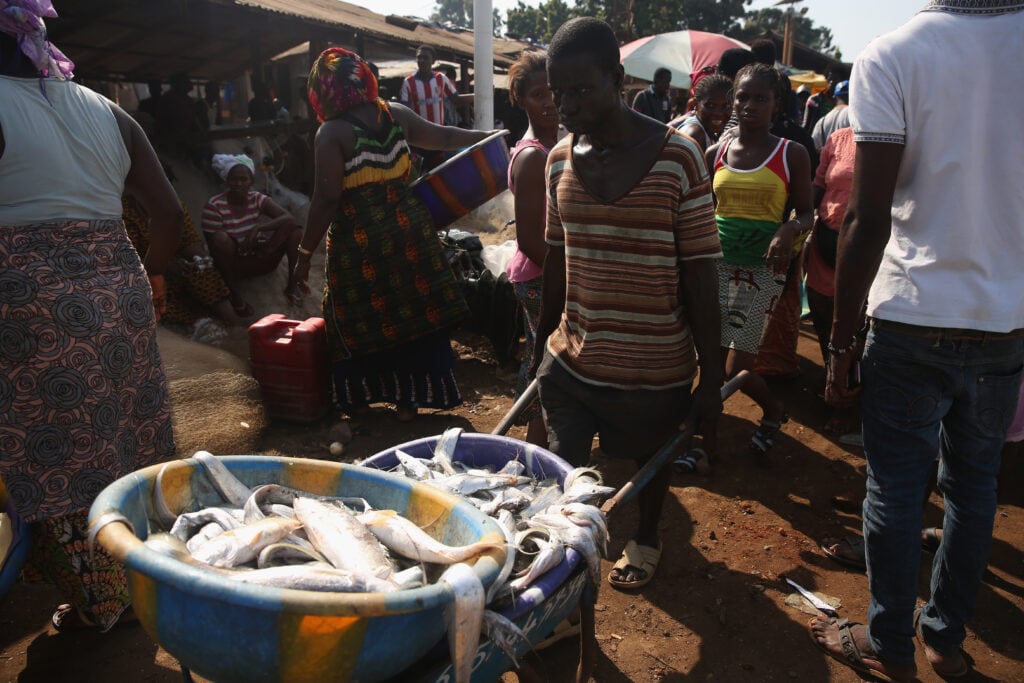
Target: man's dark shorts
x=630, y=423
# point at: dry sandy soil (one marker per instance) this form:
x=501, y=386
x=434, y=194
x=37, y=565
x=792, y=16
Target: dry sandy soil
x=717, y=607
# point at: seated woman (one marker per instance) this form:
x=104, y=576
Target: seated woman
x=247, y=232
x=194, y=287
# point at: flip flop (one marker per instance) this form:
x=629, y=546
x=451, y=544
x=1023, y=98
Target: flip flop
x=854, y=557
x=946, y=666
x=851, y=655
x=642, y=557
x=693, y=460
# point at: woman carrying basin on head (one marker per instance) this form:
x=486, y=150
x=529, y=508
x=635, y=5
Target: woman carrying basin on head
x=390, y=297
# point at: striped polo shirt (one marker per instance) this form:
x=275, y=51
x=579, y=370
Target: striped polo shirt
x=218, y=216
x=623, y=324
x=426, y=98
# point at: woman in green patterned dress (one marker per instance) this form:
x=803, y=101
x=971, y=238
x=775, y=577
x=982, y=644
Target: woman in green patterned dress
x=389, y=295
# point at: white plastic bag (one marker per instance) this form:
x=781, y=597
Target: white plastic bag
x=497, y=256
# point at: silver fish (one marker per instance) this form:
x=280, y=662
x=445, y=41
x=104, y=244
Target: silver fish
x=277, y=554
x=414, y=468
x=505, y=635
x=312, y=577
x=550, y=554
x=464, y=618
x=227, y=484
x=204, y=534
x=186, y=524
x=343, y=539
x=163, y=512
x=244, y=544
x=467, y=484
x=444, y=450
x=404, y=538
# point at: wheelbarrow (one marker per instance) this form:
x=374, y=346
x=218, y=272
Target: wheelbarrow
x=643, y=476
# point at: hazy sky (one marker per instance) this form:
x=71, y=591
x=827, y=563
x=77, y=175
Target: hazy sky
x=853, y=24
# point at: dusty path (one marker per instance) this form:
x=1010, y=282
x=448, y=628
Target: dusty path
x=716, y=609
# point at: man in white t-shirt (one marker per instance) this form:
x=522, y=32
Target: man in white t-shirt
x=938, y=211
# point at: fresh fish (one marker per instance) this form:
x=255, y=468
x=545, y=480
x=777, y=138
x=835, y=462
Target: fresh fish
x=343, y=539
x=186, y=524
x=244, y=544
x=414, y=468
x=410, y=578
x=513, y=468
x=576, y=475
x=312, y=577
x=587, y=492
x=507, y=523
x=204, y=534
x=265, y=498
x=464, y=618
x=545, y=498
x=404, y=538
x=227, y=484
x=163, y=512
x=444, y=450
x=505, y=635
x=466, y=484
x=277, y=554
x=511, y=499
x=550, y=554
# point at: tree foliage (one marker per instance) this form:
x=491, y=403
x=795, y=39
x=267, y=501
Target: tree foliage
x=460, y=13
x=804, y=31
x=537, y=24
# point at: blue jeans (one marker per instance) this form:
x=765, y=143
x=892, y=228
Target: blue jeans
x=928, y=392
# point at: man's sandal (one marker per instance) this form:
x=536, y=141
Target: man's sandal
x=947, y=666
x=642, y=557
x=764, y=437
x=852, y=656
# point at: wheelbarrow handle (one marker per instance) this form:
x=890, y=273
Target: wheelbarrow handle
x=662, y=456
x=524, y=401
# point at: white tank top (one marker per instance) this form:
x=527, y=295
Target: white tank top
x=64, y=156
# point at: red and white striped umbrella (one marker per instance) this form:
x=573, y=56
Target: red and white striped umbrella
x=681, y=52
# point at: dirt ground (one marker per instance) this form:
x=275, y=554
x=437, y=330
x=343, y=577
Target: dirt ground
x=717, y=609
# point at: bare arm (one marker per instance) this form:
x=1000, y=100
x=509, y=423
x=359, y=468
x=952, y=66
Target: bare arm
x=697, y=133
x=780, y=251
x=328, y=185
x=422, y=133
x=149, y=184
x=530, y=207
x=552, y=302
x=700, y=296
x=865, y=232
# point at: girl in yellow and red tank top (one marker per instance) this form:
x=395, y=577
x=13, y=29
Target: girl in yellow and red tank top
x=756, y=177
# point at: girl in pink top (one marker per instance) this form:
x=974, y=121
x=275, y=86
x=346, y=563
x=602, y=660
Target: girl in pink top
x=528, y=88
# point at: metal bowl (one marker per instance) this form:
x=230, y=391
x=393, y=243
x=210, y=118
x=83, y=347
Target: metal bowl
x=226, y=631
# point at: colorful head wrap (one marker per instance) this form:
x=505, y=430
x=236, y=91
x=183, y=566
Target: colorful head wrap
x=223, y=163
x=23, y=20
x=338, y=81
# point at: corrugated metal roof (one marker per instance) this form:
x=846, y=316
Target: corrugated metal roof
x=218, y=39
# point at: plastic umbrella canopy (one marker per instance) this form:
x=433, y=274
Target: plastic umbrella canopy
x=681, y=52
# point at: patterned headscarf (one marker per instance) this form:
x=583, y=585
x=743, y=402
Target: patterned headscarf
x=338, y=81
x=23, y=20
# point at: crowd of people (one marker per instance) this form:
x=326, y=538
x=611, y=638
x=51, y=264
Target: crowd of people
x=657, y=258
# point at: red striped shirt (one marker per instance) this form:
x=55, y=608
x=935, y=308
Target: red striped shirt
x=218, y=215
x=426, y=98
